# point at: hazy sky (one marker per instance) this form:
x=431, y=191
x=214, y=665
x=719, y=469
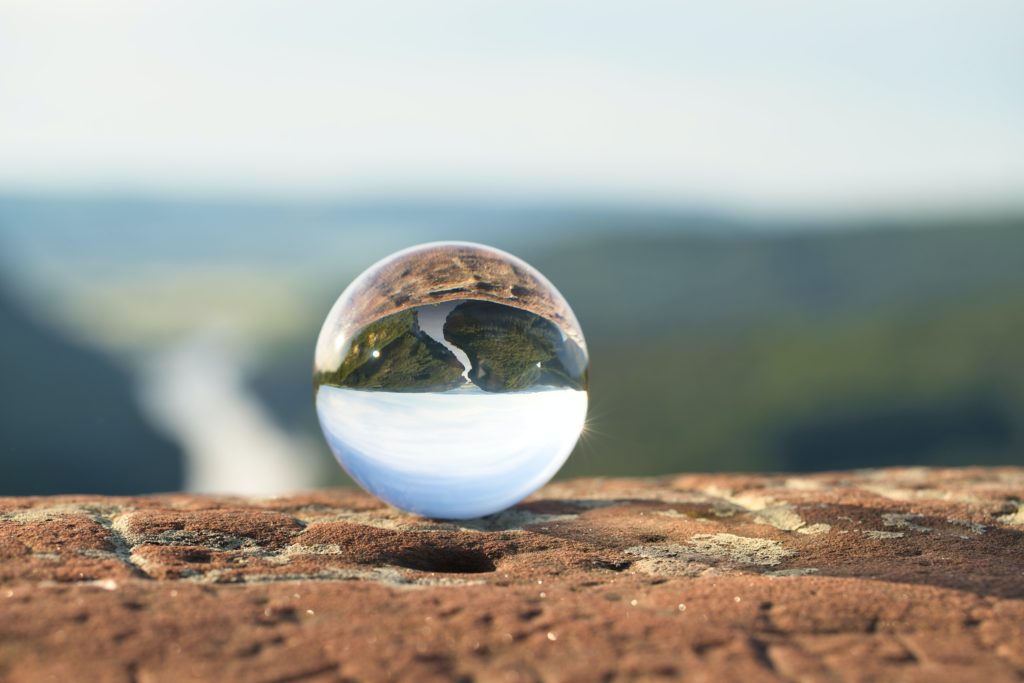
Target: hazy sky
x=787, y=105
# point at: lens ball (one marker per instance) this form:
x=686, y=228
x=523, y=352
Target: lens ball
x=451, y=380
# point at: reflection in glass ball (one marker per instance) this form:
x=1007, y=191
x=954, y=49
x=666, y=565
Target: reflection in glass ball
x=451, y=380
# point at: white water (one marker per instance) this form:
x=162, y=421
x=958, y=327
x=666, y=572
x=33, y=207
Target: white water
x=431, y=320
x=195, y=392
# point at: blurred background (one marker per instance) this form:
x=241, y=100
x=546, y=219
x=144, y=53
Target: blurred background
x=793, y=232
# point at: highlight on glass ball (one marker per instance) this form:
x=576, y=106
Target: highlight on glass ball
x=451, y=380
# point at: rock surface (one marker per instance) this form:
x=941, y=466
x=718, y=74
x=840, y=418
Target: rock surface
x=894, y=575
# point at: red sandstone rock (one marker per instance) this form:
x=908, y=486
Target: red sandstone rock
x=891, y=575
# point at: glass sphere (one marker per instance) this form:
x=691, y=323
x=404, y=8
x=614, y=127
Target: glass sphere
x=451, y=380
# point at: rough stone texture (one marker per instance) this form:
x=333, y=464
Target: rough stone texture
x=892, y=575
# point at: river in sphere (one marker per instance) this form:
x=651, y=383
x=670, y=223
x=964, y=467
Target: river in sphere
x=455, y=454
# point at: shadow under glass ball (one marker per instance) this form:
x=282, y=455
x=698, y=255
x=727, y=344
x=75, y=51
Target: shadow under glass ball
x=449, y=405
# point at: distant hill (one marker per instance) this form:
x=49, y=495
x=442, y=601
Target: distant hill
x=785, y=351
x=69, y=421
x=118, y=233
x=716, y=344
x=686, y=281
x=801, y=351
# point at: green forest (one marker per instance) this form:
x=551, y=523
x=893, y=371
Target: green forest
x=856, y=346
x=509, y=350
